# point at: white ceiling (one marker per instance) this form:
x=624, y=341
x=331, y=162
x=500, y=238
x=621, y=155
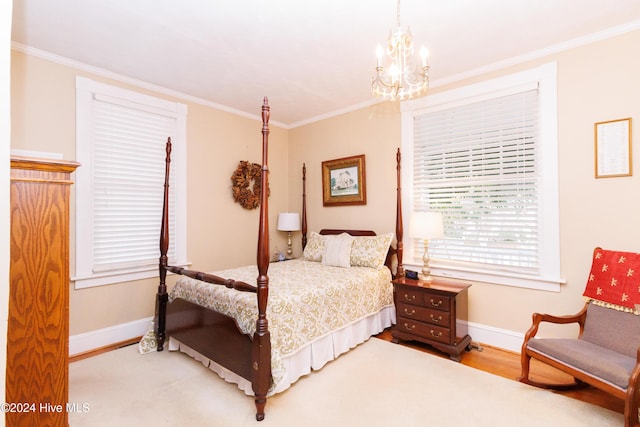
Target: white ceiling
x=311, y=58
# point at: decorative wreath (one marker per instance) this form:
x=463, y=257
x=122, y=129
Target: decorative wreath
x=246, y=184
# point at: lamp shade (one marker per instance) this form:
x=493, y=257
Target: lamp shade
x=288, y=221
x=426, y=225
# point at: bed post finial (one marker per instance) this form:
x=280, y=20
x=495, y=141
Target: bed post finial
x=399, y=226
x=266, y=115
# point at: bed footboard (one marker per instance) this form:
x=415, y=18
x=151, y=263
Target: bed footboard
x=211, y=334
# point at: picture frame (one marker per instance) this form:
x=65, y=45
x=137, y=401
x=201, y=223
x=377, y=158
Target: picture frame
x=613, y=148
x=344, y=181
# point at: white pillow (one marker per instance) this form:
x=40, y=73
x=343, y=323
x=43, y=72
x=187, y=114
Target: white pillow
x=337, y=250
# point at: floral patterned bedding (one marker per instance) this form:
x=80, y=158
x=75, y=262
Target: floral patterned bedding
x=307, y=300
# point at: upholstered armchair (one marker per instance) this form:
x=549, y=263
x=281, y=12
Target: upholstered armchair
x=606, y=352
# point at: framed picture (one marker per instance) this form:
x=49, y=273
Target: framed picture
x=343, y=182
x=613, y=148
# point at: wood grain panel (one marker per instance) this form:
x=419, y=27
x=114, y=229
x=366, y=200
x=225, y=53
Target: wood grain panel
x=38, y=327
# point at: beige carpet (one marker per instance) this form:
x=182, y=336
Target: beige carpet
x=376, y=384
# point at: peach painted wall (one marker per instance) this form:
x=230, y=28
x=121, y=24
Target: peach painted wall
x=597, y=82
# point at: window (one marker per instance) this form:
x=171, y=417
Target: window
x=120, y=144
x=486, y=157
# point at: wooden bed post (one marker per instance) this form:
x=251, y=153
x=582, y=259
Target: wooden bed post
x=162, y=296
x=304, y=205
x=261, y=354
x=399, y=227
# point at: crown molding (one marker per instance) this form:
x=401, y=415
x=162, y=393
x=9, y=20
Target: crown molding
x=58, y=59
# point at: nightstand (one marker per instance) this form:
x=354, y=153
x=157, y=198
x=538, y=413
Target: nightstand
x=427, y=312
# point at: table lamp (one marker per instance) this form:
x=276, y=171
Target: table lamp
x=288, y=221
x=426, y=225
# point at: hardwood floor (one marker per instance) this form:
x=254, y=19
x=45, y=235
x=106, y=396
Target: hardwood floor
x=507, y=364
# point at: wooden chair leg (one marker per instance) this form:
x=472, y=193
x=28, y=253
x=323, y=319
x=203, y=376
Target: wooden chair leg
x=525, y=362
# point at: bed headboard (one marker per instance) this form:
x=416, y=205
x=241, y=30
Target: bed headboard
x=336, y=231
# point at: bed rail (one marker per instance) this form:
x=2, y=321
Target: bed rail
x=213, y=279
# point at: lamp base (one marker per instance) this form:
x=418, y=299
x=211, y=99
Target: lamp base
x=425, y=274
x=289, y=249
x=428, y=278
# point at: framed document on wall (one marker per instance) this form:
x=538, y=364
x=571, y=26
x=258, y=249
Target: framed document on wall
x=613, y=148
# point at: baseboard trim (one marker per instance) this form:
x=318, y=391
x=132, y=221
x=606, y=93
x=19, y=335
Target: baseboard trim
x=97, y=351
x=114, y=335
x=495, y=337
x=95, y=340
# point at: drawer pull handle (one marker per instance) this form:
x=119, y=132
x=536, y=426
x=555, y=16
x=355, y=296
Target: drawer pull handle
x=408, y=297
x=409, y=313
x=436, y=319
x=438, y=335
x=436, y=304
x=409, y=327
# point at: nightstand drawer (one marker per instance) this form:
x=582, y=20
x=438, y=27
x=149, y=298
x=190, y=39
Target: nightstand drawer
x=438, y=302
x=430, y=332
x=423, y=314
x=422, y=297
x=409, y=296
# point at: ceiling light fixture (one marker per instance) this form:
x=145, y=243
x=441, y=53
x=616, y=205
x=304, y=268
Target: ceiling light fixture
x=398, y=77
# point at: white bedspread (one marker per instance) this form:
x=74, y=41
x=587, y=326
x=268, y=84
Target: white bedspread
x=315, y=312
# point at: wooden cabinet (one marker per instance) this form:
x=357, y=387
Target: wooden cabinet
x=38, y=324
x=427, y=312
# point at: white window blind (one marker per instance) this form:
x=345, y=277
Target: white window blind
x=477, y=165
x=120, y=143
x=128, y=178
x=486, y=156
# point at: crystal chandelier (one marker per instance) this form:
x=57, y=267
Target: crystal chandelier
x=398, y=76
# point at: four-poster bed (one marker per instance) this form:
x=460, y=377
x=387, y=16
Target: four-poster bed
x=317, y=309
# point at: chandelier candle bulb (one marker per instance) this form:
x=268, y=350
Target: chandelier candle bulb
x=379, y=53
x=423, y=54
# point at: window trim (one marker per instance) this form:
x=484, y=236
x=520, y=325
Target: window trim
x=545, y=78
x=86, y=90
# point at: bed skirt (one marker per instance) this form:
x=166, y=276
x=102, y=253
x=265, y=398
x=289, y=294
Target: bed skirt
x=313, y=356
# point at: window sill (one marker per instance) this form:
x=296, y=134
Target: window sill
x=506, y=279
x=113, y=277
